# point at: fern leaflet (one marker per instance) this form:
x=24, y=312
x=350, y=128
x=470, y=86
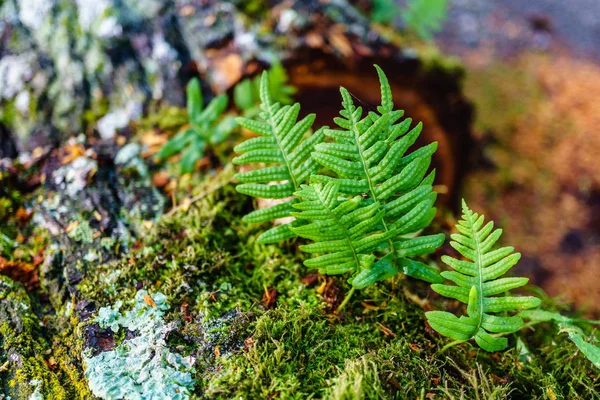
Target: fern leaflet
x=477, y=282
x=280, y=143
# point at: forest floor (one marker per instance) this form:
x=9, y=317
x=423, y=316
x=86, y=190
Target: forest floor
x=109, y=286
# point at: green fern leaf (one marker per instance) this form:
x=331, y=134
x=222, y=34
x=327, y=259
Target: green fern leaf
x=478, y=283
x=282, y=146
x=425, y=17
x=345, y=232
x=567, y=325
x=368, y=156
x=246, y=94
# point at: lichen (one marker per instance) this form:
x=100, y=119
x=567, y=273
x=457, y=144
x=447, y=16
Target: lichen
x=142, y=367
x=82, y=232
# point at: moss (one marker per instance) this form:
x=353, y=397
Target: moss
x=214, y=275
x=82, y=232
x=23, y=365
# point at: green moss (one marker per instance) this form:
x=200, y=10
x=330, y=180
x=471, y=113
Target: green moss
x=82, y=232
x=23, y=366
x=214, y=275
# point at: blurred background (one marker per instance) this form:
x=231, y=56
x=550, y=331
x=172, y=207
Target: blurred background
x=510, y=90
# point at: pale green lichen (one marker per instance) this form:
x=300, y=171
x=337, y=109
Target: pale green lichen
x=82, y=232
x=142, y=367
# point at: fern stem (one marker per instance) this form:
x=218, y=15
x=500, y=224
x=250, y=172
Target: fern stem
x=346, y=300
x=341, y=227
x=369, y=181
x=451, y=344
x=479, y=268
x=283, y=153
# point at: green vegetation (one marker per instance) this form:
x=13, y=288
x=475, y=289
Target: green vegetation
x=425, y=17
x=214, y=275
x=568, y=326
x=476, y=281
x=280, y=142
x=208, y=126
x=392, y=198
x=206, y=306
x=246, y=94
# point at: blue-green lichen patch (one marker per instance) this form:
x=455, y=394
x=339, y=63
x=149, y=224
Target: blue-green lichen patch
x=142, y=367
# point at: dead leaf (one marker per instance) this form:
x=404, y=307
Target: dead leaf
x=184, y=311
x=149, y=301
x=310, y=279
x=22, y=215
x=368, y=307
x=51, y=363
x=72, y=152
x=228, y=71
x=269, y=298
x=160, y=179
x=414, y=347
x=71, y=226
x=248, y=343
x=20, y=271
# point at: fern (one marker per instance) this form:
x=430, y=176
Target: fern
x=384, y=11
x=368, y=158
x=207, y=127
x=477, y=282
x=280, y=144
x=246, y=94
x=425, y=17
x=567, y=325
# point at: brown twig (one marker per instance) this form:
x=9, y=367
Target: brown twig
x=199, y=197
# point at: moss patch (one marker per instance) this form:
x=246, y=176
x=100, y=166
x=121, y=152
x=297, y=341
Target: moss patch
x=216, y=279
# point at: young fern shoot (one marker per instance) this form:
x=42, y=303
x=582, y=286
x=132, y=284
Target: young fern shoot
x=367, y=156
x=477, y=284
x=282, y=145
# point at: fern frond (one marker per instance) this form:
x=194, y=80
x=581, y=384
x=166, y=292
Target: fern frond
x=345, y=232
x=282, y=146
x=478, y=283
x=208, y=126
x=368, y=155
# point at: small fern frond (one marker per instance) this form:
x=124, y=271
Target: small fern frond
x=282, y=146
x=368, y=155
x=208, y=126
x=478, y=283
x=246, y=94
x=345, y=232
